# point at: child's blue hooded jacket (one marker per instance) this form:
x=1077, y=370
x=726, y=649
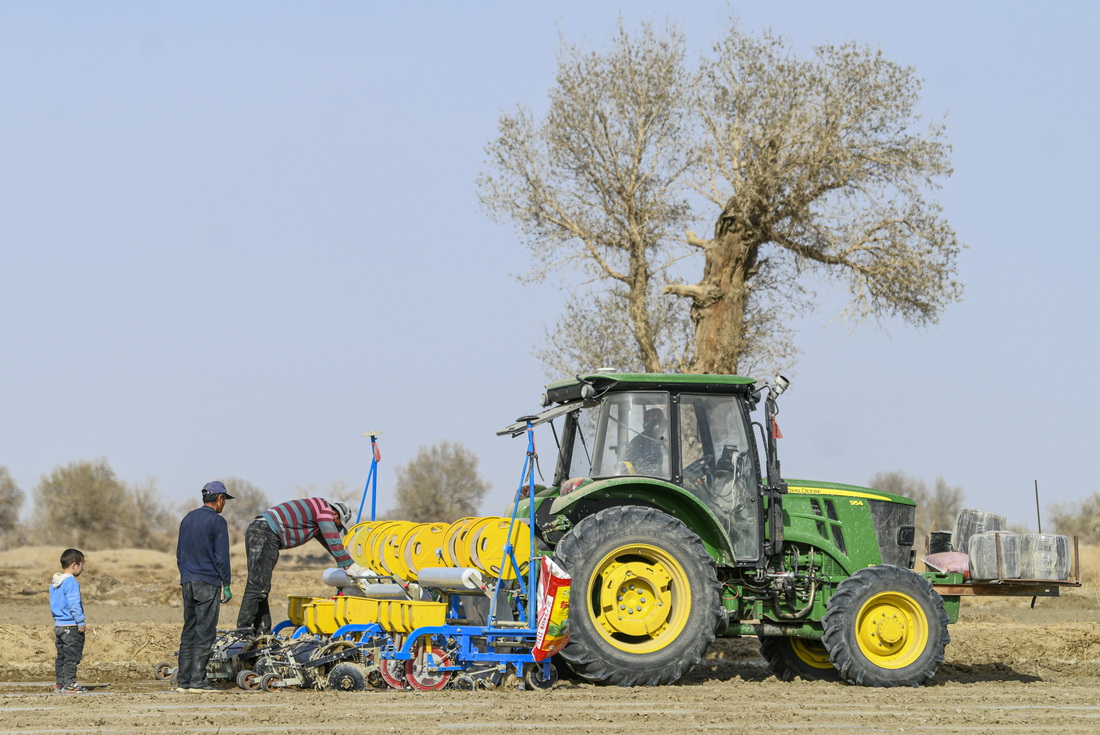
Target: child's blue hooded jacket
x=65, y=603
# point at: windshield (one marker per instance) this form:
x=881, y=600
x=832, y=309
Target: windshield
x=626, y=435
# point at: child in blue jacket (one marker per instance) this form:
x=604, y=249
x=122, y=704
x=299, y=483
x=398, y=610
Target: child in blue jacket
x=68, y=621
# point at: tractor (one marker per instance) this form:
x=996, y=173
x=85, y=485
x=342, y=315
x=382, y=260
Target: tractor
x=668, y=509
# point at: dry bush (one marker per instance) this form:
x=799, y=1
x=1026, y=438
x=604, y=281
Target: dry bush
x=1078, y=519
x=84, y=504
x=11, y=500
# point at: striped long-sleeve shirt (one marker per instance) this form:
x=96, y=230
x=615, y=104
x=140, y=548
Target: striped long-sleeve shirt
x=297, y=521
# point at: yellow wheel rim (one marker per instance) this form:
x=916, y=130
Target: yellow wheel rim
x=640, y=597
x=420, y=547
x=454, y=542
x=373, y=541
x=892, y=630
x=356, y=542
x=811, y=653
x=390, y=552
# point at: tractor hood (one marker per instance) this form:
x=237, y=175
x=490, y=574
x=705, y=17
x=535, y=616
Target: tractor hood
x=813, y=487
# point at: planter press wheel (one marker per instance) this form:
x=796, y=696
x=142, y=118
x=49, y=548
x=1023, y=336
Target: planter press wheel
x=347, y=677
x=645, y=604
x=162, y=671
x=271, y=683
x=886, y=627
x=416, y=669
x=797, y=657
x=260, y=641
x=464, y=683
x=329, y=649
x=534, y=680
x=248, y=680
x=392, y=672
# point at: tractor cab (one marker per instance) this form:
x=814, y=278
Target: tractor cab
x=680, y=443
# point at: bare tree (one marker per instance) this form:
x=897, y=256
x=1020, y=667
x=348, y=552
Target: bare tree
x=595, y=332
x=441, y=483
x=11, y=501
x=814, y=167
x=598, y=185
x=936, y=508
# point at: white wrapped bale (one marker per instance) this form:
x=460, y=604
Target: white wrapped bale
x=1044, y=556
x=970, y=522
x=983, y=555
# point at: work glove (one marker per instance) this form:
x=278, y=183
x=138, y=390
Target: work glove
x=227, y=594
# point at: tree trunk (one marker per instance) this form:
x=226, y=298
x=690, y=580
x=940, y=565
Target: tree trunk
x=718, y=308
x=639, y=312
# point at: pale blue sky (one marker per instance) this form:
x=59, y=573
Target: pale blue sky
x=234, y=236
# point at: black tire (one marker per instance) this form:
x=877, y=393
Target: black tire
x=671, y=592
x=347, y=677
x=162, y=671
x=886, y=627
x=797, y=657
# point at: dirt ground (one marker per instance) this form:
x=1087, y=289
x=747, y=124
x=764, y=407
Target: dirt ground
x=1009, y=668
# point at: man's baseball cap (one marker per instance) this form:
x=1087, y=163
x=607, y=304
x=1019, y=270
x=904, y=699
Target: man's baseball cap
x=217, y=487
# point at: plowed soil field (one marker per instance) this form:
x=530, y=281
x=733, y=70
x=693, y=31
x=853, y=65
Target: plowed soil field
x=1010, y=668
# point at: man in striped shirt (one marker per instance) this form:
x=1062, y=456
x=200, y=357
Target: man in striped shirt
x=286, y=526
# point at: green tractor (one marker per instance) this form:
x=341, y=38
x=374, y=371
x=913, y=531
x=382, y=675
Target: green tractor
x=669, y=511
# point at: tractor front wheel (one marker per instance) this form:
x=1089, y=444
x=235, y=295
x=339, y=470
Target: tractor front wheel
x=885, y=627
x=644, y=598
x=797, y=657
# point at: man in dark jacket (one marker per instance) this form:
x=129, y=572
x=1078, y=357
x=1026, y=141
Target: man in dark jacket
x=202, y=555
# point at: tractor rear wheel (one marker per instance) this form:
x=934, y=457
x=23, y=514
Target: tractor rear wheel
x=644, y=598
x=885, y=627
x=797, y=657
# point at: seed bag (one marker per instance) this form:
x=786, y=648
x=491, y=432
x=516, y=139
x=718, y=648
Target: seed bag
x=552, y=628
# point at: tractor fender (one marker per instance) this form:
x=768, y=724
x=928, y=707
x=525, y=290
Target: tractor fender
x=663, y=496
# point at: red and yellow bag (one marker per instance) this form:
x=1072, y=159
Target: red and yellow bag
x=552, y=628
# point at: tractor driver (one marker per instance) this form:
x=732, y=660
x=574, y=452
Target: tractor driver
x=646, y=452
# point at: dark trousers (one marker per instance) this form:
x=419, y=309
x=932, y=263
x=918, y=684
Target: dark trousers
x=70, y=649
x=262, y=546
x=201, y=603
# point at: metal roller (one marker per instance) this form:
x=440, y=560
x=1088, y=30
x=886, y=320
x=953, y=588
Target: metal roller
x=337, y=577
x=453, y=580
x=384, y=592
